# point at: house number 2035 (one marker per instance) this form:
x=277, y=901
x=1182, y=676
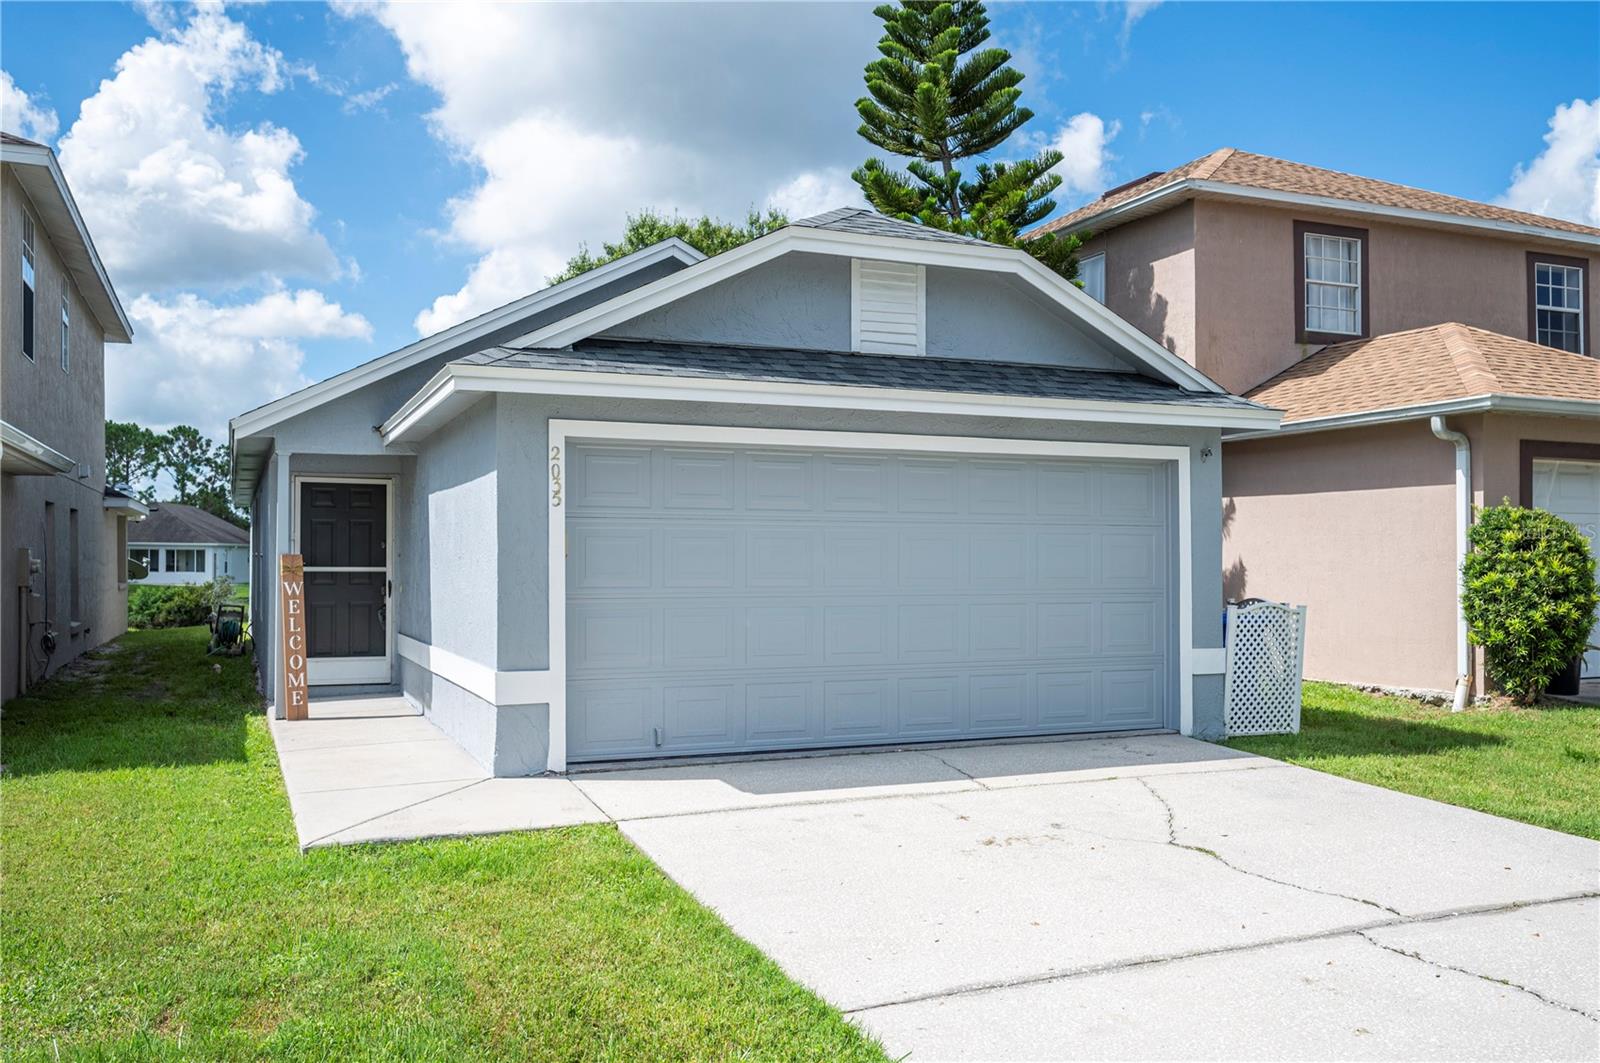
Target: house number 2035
x=555, y=476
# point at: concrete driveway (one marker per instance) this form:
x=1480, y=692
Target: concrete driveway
x=1136, y=898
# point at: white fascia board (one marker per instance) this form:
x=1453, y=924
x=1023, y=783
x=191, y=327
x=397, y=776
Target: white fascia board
x=1529, y=404
x=1190, y=187
x=1123, y=336
x=34, y=452
x=129, y=505
x=29, y=155
x=265, y=416
x=431, y=406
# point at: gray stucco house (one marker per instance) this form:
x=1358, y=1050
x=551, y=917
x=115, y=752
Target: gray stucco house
x=853, y=483
x=63, y=527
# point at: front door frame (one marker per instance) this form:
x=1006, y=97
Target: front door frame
x=562, y=430
x=353, y=671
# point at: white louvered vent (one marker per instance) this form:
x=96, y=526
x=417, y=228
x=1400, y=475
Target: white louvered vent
x=888, y=307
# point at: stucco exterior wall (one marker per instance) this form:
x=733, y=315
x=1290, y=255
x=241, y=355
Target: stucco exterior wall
x=1150, y=277
x=1246, y=283
x=66, y=411
x=1358, y=526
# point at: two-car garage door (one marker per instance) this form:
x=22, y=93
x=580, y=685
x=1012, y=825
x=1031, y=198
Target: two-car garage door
x=745, y=598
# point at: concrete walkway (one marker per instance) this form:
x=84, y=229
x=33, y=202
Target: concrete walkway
x=373, y=769
x=1133, y=898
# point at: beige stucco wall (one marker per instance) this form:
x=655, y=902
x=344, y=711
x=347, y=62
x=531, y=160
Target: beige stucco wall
x=1356, y=525
x=1246, y=286
x=1150, y=276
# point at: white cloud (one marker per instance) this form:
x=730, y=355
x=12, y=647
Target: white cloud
x=23, y=114
x=1132, y=12
x=575, y=114
x=172, y=196
x=1563, y=181
x=1086, y=163
x=815, y=191
x=196, y=362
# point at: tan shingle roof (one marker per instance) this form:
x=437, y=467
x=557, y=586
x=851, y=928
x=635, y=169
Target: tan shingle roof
x=1234, y=167
x=1433, y=364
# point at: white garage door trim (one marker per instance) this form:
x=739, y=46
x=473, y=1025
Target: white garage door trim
x=561, y=431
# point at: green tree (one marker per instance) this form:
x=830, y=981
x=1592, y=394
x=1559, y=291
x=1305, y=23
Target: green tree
x=708, y=235
x=189, y=458
x=133, y=457
x=935, y=97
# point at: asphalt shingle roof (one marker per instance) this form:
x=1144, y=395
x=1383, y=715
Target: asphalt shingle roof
x=1230, y=166
x=1433, y=364
x=173, y=522
x=713, y=362
x=871, y=223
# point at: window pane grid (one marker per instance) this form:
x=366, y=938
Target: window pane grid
x=1333, y=284
x=1558, y=306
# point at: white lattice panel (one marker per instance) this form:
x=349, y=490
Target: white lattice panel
x=1266, y=644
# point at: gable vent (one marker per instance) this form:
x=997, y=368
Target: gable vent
x=888, y=307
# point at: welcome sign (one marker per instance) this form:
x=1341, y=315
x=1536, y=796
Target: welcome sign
x=292, y=620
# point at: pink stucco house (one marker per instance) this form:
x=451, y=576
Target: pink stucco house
x=1431, y=354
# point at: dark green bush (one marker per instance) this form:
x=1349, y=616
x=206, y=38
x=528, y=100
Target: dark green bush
x=1528, y=591
x=183, y=605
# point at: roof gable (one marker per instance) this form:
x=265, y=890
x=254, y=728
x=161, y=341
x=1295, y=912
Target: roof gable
x=856, y=233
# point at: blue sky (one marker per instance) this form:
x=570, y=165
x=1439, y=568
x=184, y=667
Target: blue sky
x=314, y=187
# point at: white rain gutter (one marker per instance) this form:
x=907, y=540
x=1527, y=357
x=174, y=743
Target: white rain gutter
x=1463, y=519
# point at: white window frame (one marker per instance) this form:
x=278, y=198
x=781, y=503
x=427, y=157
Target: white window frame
x=172, y=556
x=1357, y=285
x=1580, y=310
x=66, y=339
x=30, y=329
x=1089, y=289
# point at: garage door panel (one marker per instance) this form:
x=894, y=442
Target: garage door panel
x=780, y=599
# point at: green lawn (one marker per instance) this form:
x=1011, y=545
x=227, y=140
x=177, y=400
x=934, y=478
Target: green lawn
x=154, y=904
x=1539, y=765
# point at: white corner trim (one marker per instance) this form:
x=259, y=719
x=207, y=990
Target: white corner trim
x=526, y=687
x=1209, y=660
x=315, y=395
x=1129, y=340
x=455, y=386
x=562, y=431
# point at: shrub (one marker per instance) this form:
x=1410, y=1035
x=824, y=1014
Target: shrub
x=1528, y=592
x=183, y=605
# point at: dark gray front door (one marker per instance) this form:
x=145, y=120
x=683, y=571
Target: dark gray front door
x=732, y=599
x=343, y=537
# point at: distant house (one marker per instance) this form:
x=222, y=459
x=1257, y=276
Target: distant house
x=185, y=544
x=63, y=528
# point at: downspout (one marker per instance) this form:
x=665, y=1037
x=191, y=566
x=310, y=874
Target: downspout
x=1463, y=519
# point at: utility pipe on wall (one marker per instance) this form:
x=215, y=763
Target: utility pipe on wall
x=1463, y=520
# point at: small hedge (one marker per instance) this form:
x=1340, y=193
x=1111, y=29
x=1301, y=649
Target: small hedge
x=1529, y=595
x=182, y=605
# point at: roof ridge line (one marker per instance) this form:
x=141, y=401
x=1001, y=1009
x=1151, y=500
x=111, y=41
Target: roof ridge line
x=1212, y=163
x=1471, y=367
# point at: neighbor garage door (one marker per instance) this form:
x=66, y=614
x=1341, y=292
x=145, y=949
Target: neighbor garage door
x=740, y=599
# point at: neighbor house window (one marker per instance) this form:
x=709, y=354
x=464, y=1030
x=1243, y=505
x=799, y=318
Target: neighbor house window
x=1556, y=310
x=186, y=561
x=27, y=286
x=66, y=328
x=1332, y=296
x=1092, y=272
x=150, y=559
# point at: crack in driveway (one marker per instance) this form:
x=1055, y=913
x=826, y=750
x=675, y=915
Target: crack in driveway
x=1172, y=839
x=1364, y=936
x=1070, y=973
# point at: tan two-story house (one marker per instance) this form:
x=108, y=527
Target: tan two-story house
x=63, y=529
x=1431, y=354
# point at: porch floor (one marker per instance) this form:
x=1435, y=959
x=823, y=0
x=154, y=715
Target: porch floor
x=373, y=769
